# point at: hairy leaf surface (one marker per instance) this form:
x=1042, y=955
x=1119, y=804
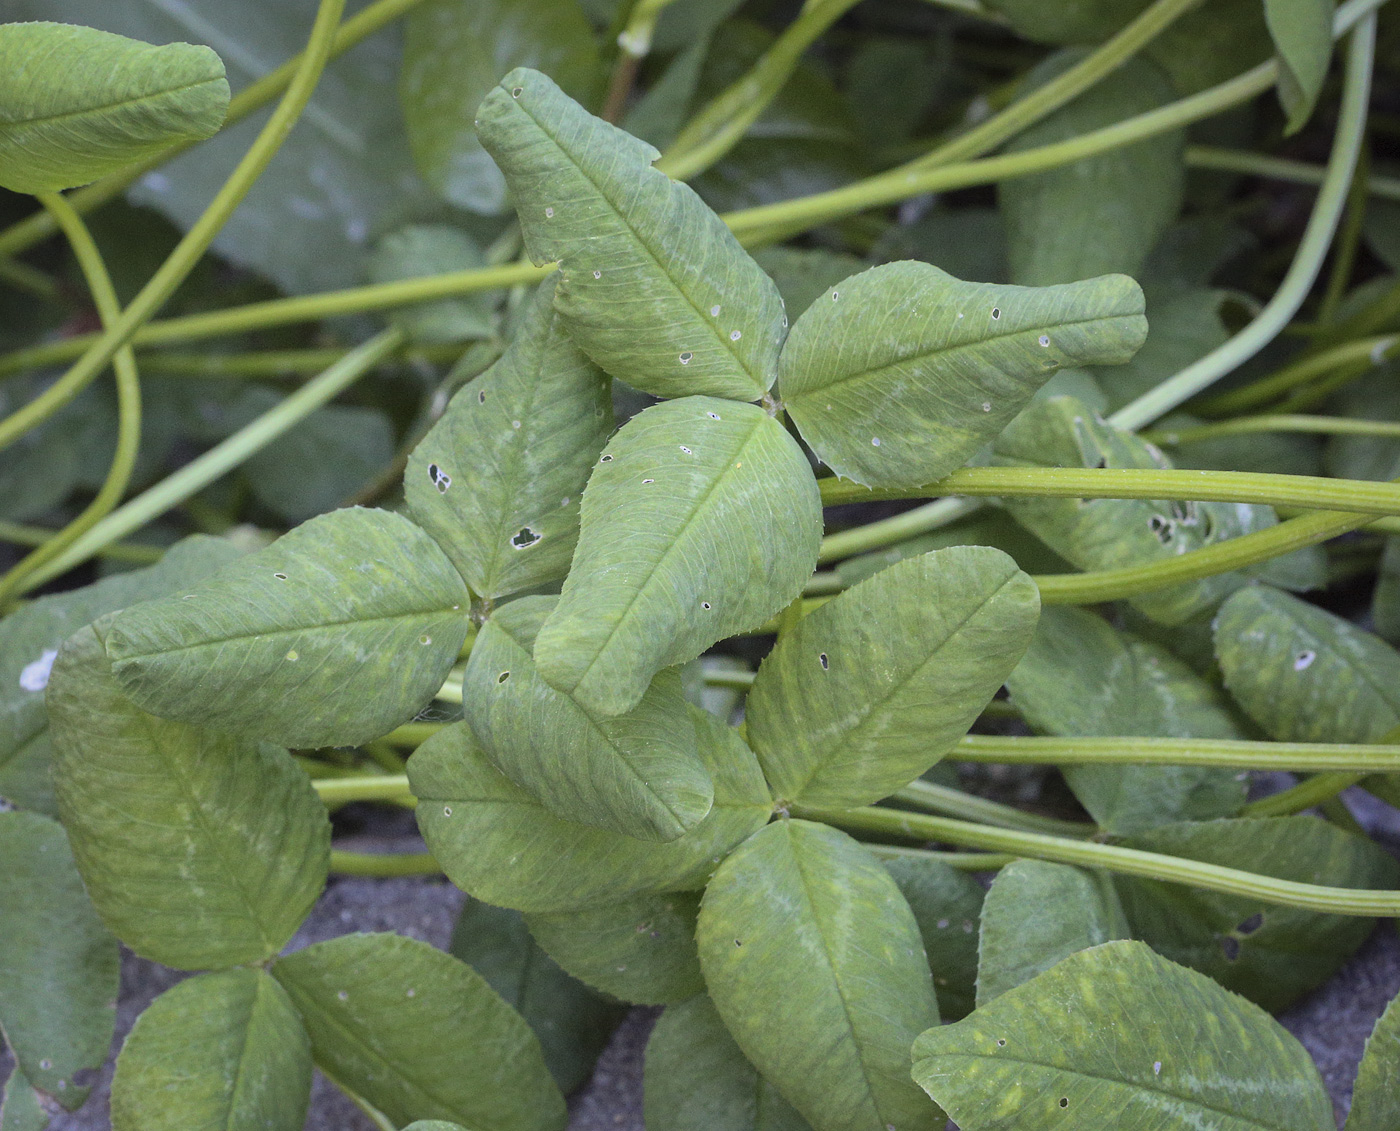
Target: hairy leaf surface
x=1375, y=1099
x=946, y=903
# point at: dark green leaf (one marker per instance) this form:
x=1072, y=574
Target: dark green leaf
x=435, y=249
x=815, y=963
x=419, y=1034
x=58, y=965
x=334, y=634
x=198, y=849
x=641, y=950
x=947, y=903
x=496, y=842
x=1184, y=325
x=497, y=480
x=968, y=243
x=655, y=288
x=701, y=520
x=223, y=1050
x=952, y=363
x=1302, y=34
x=1375, y=1100
x=1376, y=396
x=876, y=685
x=1385, y=598
x=20, y=1109
x=1115, y=1036
x=1086, y=21
x=81, y=103
x=1037, y=914
x=804, y=274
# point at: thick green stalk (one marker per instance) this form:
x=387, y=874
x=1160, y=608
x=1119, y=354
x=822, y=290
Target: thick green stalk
x=1226, y=753
x=887, y=531
x=1278, y=422
x=266, y=364
x=927, y=797
x=21, y=534
x=1112, y=858
x=1314, y=791
x=195, y=242
x=384, y=864
x=1362, y=352
x=381, y=787
x=1279, y=169
x=413, y=734
x=26, y=278
x=964, y=861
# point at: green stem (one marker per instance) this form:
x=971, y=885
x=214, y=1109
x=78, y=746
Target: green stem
x=887, y=531
x=1264, y=488
x=736, y=681
x=377, y=787
x=1365, y=352
x=27, y=278
x=128, y=402
x=1113, y=858
x=1130, y=751
x=1348, y=240
x=22, y=535
x=413, y=734
x=1302, y=273
x=1278, y=422
x=40, y=226
x=195, y=242
x=384, y=864
x=1304, y=795
x=1280, y=169
x=224, y=457
x=930, y=798
x=279, y=363
x=964, y=861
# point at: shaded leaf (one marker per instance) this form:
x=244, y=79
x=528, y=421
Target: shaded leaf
x=968, y=243
x=641, y=950
x=1373, y=397
x=1185, y=325
x=1037, y=914
x=497, y=480
x=947, y=903
x=1302, y=35
x=696, y=1079
x=804, y=274
x=896, y=376
x=1087, y=21
x=496, y=842
x=814, y=962
x=19, y=1106
x=434, y=249
x=335, y=634
x=1375, y=1100
x=1056, y=1052
x=419, y=1034
x=701, y=520
x=654, y=287
x=199, y=850
x=81, y=103
x=223, y=1050
x=872, y=688
x=59, y=967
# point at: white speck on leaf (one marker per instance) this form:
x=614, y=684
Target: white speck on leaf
x=35, y=676
x=735, y=335
x=1304, y=661
x=714, y=311
x=549, y=213
x=875, y=440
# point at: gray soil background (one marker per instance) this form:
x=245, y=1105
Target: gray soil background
x=1332, y=1023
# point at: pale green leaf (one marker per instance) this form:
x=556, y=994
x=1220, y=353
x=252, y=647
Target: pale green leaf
x=701, y=520
x=1081, y=676
x=496, y=842
x=1304, y=674
x=696, y=1079
x=1270, y=954
x=1104, y=213
x=572, y=1022
x=77, y=103
x=497, y=480
x=434, y=249
x=899, y=374
x=1375, y=1100
x=223, y=1050
x=636, y=773
x=1302, y=35
x=815, y=963
x=946, y=902
x=334, y=634
x=31, y=636
x=20, y=1109
x=875, y=686
x=59, y=966
x=1115, y=1036
x=641, y=950
x=454, y=52
x=655, y=288
x=199, y=850
x=1037, y=914
x=419, y=1034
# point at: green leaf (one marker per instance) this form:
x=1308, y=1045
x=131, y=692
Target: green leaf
x=814, y=962
x=572, y=1022
x=637, y=774
x=1302, y=35
x=1270, y=954
x=59, y=967
x=497, y=480
x=1374, y=397
x=1304, y=674
x=1037, y=914
x=1102, y=214
x=968, y=243
x=1057, y=1052
x=700, y=521
x=496, y=842
x=419, y=1034
x=434, y=249
x=641, y=950
x=871, y=689
x=1081, y=676
x=30, y=639
x=224, y=1050
x=1375, y=1100
x=20, y=1109
x=696, y=1079
x=333, y=635
x=454, y=51
x=804, y=274
x=952, y=363
x=946, y=903
x=1086, y=21
x=1185, y=326
x=199, y=850
x=81, y=103
x=1111, y=533
x=654, y=287
x=1385, y=598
